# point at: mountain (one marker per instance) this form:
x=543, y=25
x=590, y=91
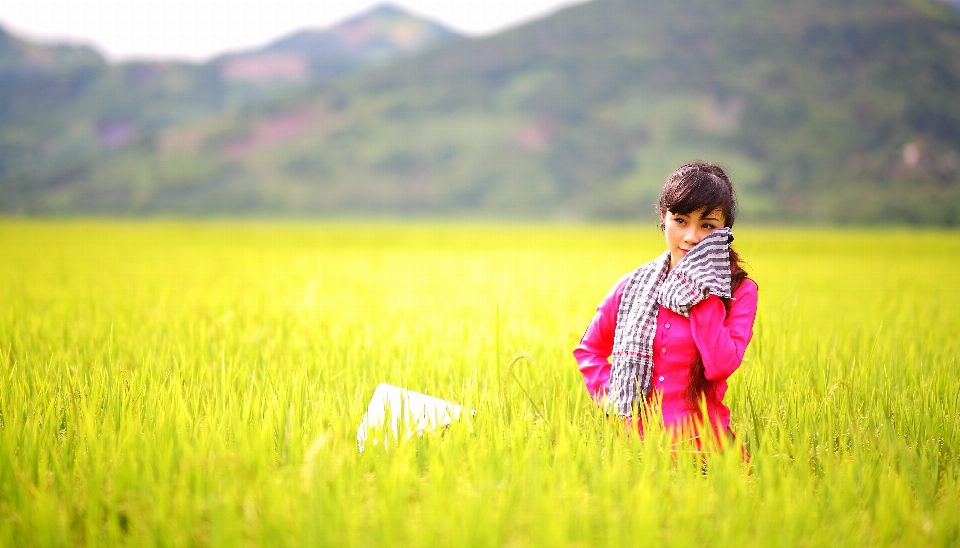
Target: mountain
x=383, y=34
x=65, y=112
x=823, y=111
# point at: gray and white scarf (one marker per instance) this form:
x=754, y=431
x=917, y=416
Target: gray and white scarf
x=704, y=270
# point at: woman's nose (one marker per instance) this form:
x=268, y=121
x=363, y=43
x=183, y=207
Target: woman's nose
x=691, y=237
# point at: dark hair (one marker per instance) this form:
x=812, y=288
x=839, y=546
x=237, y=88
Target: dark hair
x=699, y=185
x=692, y=187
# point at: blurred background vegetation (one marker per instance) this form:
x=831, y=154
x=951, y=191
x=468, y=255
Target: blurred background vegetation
x=823, y=111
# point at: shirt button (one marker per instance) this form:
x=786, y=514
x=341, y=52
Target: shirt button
x=667, y=326
x=661, y=378
x=663, y=350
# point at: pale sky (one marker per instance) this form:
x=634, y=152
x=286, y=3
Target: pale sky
x=200, y=29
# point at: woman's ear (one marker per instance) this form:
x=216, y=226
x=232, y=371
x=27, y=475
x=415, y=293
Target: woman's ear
x=663, y=220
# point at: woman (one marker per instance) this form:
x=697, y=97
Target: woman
x=676, y=328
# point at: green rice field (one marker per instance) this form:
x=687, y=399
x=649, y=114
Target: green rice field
x=168, y=383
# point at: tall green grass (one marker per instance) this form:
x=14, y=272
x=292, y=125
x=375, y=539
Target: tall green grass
x=183, y=384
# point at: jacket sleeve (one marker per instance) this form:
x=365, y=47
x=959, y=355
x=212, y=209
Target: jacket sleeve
x=722, y=338
x=596, y=344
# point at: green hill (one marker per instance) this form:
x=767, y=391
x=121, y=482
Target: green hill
x=376, y=37
x=823, y=111
x=65, y=114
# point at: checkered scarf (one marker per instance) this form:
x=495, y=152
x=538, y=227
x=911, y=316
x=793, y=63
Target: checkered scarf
x=702, y=271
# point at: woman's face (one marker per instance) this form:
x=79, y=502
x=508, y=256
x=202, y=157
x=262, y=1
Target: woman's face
x=685, y=231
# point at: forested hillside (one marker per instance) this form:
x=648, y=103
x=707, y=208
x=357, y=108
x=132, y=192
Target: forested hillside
x=66, y=114
x=822, y=110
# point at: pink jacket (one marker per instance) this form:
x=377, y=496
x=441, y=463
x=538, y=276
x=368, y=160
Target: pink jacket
x=720, y=338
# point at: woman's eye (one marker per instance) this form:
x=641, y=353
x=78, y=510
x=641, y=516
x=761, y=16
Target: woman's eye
x=709, y=227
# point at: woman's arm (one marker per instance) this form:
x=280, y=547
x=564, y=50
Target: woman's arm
x=722, y=338
x=597, y=343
